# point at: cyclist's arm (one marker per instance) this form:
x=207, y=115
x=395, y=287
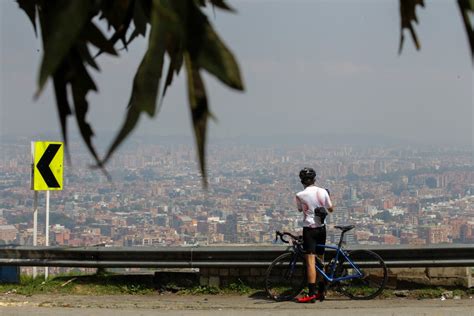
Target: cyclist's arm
x=328, y=203
x=299, y=204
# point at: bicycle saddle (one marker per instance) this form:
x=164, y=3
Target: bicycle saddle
x=345, y=228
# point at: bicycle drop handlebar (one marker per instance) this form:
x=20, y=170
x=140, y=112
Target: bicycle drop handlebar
x=282, y=237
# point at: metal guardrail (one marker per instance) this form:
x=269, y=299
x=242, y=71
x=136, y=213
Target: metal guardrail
x=210, y=256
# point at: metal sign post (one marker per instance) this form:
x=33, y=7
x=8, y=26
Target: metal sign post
x=35, y=226
x=46, y=269
x=35, y=203
x=46, y=175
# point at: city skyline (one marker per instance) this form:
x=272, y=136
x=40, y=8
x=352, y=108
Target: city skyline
x=392, y=195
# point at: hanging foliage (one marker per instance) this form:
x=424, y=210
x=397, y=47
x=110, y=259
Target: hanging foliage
x=178, y=29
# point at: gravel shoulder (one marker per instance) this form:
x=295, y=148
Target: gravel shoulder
x=230, y=303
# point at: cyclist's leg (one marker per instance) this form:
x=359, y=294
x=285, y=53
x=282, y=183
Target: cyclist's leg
x=309, y=243
x=321, y=240
x=310, y=267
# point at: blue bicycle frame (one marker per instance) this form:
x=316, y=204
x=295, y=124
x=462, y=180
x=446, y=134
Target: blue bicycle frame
x=330, y=276
x=339, y=252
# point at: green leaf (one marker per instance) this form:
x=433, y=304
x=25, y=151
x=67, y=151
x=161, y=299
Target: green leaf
x=222, y=5
x=85, y=54
x=201, y=3
x=81, y=84
x=205, y=46
x=96, y=38
x=140, y=20
x=119, y=14
x=407, y=16
x=465, y=6
x=146, y=81
x=67, y=21
x=115, y=12
x=216, y=58
x=131, y=120
x=62, y=103
x=176, y=62
x=29, y=6
x=199, y=110
x=215, y=3
x=175, y=49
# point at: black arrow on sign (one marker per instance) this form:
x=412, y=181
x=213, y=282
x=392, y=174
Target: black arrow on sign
x=43, y=166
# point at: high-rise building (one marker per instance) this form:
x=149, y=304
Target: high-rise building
x=230, y=233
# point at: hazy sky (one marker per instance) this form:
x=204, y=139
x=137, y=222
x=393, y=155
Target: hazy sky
x=309, y=67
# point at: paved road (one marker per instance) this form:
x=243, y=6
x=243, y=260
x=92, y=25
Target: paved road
x=171, y=304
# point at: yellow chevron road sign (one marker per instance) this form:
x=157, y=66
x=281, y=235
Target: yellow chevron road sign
x=48, y=166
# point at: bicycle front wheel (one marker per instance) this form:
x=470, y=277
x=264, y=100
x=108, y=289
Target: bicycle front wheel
x=285, y=277
x=373, y=279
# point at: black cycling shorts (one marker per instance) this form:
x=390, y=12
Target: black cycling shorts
x=313, y=237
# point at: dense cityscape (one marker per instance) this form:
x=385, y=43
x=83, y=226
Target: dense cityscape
x=392, y=194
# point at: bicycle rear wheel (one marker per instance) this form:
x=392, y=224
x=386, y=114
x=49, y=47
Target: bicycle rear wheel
x=372, y=281
x=285, y=277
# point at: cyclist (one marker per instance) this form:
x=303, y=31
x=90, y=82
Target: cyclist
x=313, y=201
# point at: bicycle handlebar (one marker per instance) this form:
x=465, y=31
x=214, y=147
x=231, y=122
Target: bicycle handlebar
x=282, y=237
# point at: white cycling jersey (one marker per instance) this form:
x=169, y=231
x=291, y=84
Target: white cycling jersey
x=309, y=199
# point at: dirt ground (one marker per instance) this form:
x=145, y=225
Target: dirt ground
x=173, y=304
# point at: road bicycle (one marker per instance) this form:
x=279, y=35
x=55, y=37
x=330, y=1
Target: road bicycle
x=358, y=274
